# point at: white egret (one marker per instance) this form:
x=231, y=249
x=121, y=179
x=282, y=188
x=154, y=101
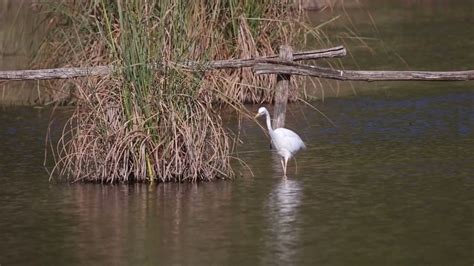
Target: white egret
x=286, y=142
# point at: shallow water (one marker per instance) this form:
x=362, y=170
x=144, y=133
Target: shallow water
x=391, y=184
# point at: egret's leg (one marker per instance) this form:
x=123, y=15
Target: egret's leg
x=284, y=168
x=282, y=164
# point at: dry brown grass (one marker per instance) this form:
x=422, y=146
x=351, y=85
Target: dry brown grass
x=99, y=144
x=142, y=125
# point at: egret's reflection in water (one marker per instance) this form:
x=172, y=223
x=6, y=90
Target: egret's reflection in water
x=283, y=206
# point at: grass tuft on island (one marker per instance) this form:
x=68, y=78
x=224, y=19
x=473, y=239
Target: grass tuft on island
x=143, y=125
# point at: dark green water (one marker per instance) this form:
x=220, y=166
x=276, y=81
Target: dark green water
x=392, y=184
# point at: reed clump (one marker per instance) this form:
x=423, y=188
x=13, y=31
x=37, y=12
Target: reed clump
x=152, y=121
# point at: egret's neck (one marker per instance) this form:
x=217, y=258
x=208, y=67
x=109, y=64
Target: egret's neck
x=269, y=123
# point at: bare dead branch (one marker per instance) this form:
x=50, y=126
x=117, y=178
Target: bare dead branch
x=75, y=72
x=360, y=75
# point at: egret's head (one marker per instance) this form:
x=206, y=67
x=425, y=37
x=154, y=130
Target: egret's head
x=261, y=111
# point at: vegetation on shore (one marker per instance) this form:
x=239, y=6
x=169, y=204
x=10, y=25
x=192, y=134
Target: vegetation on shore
x=144, y=125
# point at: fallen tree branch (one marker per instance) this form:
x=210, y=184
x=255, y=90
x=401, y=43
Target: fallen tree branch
x=338, y=51
x=74, y=72
x=291, y=68
x=261, y=65
x=55, y=73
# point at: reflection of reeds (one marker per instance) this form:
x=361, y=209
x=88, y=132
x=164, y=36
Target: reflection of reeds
x=141, y=125
x=119, y=223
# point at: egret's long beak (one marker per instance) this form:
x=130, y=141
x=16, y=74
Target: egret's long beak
x=257, y=115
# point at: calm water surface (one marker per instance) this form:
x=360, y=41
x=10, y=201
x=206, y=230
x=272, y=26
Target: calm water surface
x=392, y=184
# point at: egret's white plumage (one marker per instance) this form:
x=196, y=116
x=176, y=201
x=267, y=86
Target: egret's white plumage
x=286, y=142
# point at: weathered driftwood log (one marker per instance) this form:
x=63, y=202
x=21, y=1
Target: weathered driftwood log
x=261, y=65
x=55, y=73
x=338, y=51
x=280, y=67
x=74, y=72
